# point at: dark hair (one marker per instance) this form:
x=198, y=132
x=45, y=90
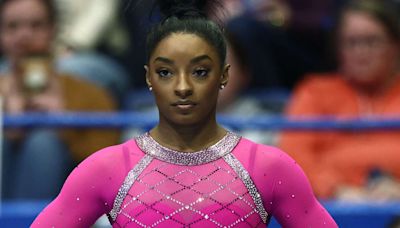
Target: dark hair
x=186, y=16
x=48, y=4
x=384, y=11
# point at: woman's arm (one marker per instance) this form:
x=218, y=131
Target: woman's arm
x=87, y=194
x=294, y=204
x=285, y=190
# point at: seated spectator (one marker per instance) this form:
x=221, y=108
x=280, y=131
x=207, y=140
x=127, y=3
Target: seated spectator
x=279, y=40
x=91, y=41
x=271, y=44
x=366, y=83
x=33, y=85
x=88, y=44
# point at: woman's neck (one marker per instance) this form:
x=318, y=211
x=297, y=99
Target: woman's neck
x=189, y=138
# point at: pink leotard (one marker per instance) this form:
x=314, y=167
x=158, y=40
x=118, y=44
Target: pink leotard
x=140, y=183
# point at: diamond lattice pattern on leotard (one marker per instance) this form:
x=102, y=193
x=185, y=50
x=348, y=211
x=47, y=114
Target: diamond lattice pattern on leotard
x=208, y=195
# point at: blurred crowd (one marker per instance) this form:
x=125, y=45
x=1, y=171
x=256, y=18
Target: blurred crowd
x=335, y=57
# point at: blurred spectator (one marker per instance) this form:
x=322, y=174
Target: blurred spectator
x=91, y=42
x=85, y=25
x=88, y=43
x=277, y=41
x=353, y=164
x=271, y=44
x=37, y=160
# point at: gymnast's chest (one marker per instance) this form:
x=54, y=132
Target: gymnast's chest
x=206, y=195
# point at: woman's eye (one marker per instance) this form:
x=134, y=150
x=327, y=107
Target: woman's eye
x=164, y=73
x=200, y=73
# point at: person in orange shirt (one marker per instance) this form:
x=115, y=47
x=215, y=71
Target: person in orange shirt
x=367, y=83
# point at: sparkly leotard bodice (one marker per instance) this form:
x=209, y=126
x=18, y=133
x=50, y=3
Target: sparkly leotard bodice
x=234, y=183
x=200, y=189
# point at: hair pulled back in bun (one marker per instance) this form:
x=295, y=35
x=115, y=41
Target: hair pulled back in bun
x=183, y=8
x=187, y=16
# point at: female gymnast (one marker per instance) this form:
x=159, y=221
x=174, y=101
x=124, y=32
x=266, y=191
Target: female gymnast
x=187, y=171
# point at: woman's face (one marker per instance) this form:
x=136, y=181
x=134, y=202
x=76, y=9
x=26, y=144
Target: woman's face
x=367, y=54
x=185, y=74
x=25, y=27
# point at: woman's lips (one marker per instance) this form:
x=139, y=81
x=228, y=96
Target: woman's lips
x=184, y=105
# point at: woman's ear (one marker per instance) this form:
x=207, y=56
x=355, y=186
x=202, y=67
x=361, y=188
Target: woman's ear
x=146, y=68
x=225, y=75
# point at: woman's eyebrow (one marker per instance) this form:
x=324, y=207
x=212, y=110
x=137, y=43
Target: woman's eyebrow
x=164, y=60
x=194, y=60
x=200, y=58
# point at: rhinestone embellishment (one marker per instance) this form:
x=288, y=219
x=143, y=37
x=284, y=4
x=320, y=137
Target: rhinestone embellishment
x=224, y=146
x=211, y=178
x=244, y=175
x=128, y=182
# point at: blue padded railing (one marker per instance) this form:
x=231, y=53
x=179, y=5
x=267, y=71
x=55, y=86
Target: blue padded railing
x=145, y=120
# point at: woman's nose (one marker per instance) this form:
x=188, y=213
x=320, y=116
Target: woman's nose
x=183, y=87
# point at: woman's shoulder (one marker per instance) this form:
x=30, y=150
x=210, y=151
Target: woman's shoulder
x=249, y=148
x=267, y=166
x=283, y=186
x=263, y=158
x=106, y=167
x=266, y=161
x=121, y=157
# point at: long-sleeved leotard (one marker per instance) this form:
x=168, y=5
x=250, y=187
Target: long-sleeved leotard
x=234, y=183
